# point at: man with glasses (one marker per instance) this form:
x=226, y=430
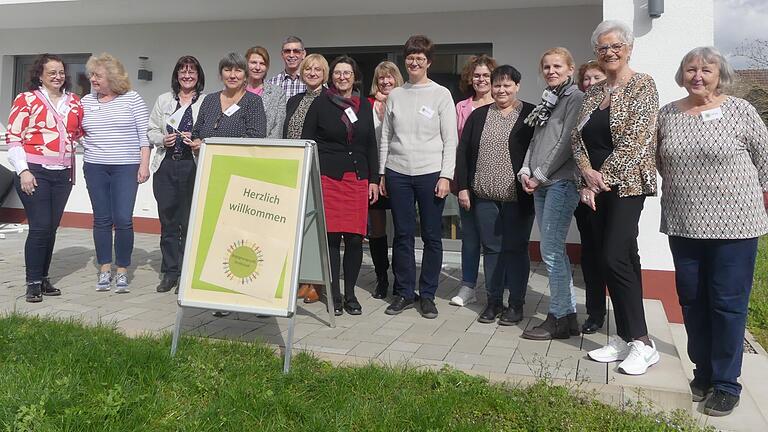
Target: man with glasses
x=293, y=53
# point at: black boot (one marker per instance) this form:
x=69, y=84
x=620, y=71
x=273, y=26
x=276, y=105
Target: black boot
x=551, y=328
x=380, y=257
x=47, y=289
x=34, y=292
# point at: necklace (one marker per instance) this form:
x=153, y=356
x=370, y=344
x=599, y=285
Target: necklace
x=619, y=83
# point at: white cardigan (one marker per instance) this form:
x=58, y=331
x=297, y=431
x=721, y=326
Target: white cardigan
x=164, y=107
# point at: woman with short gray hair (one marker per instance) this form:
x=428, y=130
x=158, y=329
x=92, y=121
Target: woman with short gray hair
x=231, y=112
x=713, y=158
x=614, y=146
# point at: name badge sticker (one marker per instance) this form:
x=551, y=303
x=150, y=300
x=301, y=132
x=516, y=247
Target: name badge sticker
x=713, y=114
x=550, y=97
x=583, y=122
x=231, y=110
x=95, y=108
x=350, y=114
x=427, y=112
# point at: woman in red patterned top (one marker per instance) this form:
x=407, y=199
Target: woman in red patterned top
x=42, y=128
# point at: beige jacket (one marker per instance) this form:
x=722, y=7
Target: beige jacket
x=164, y=107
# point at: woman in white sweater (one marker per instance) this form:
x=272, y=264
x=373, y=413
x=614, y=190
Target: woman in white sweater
x=417, y=154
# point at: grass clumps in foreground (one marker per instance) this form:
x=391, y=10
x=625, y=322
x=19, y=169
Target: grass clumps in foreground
x=58, y=376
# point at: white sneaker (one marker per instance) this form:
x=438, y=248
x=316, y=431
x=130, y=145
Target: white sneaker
x=121, y=283
x=616, y=350
x=105, y=280
x=465, y=296
x=640, y=358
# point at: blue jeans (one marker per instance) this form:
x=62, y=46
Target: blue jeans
x=555, y=204
x=714, y=279
x=44, y=209
x=404, y=193
x=470, y=248
x=112, y=189
x=505, y=228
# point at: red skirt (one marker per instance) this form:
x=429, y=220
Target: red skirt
x=346, y=204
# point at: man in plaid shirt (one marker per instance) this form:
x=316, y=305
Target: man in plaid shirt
x=289, y=79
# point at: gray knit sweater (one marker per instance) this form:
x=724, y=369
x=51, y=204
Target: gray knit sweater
x=274, y=105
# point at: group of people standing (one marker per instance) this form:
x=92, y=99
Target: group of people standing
x=591, y=147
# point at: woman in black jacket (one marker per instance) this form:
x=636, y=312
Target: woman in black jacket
x=341, y=123
x=491, y=150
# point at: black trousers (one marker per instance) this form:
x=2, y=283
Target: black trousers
x=173, y=184
x=615, y=231
x=590, y=264
x=353, y=258
x=44, y=209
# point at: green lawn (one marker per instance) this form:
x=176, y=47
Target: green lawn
x=57, y=376
x=758, y=303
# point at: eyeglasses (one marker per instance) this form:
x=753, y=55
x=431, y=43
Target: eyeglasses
x=287, y=51
x=602, y=50
x=478, y=77
x=416, y=60
x=54, y=74
x=345, y=74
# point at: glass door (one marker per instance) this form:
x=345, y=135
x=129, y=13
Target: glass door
x=448, y=61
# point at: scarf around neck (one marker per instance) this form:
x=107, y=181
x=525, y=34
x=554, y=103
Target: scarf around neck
x=549, y=99
x=343, y=104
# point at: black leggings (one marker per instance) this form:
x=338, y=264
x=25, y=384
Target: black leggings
x=353, y=258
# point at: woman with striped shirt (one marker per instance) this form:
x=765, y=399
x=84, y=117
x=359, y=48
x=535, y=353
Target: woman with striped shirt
x=116, y=162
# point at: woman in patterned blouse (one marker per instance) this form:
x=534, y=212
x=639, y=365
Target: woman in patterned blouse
x=491, y=150
x=713, y=158
x=314, y=73
x=44, y=124
x=614, y=147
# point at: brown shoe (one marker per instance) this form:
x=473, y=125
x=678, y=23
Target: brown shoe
x=312, y=295
x=303, y=290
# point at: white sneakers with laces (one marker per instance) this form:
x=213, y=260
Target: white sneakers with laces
x=465, y=296
x=616, y=350
x=636, y=357
x=640, y=358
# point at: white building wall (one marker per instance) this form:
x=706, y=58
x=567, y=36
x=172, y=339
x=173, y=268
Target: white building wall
x=519, y=36
x=660, y=44
x=516, y=35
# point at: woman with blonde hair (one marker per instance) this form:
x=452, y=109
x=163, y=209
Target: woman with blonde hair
x=386, y=77
x=313, y=72
x=116, y=162
x=549, y=173
x=272, y=95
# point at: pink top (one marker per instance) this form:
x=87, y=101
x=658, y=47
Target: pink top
x=256, y=91
x=463, y=110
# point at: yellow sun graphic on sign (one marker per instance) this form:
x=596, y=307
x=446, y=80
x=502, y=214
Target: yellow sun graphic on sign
x=243, y=261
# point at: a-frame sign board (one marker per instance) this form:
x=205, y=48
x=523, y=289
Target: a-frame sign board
x=256, y=230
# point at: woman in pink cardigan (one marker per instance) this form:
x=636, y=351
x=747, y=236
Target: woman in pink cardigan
x=475, y=82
